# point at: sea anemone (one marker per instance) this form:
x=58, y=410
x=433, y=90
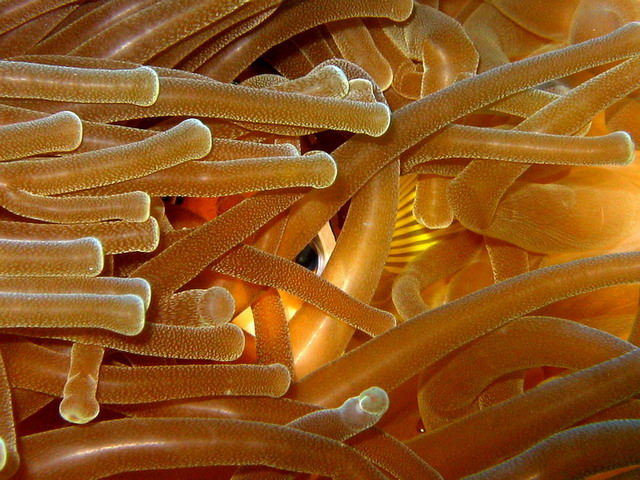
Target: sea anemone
x=298, y=238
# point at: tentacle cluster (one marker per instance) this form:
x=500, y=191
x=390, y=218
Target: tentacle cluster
x=297, y=238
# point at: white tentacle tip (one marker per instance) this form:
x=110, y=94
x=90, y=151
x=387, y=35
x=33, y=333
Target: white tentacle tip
x=374, y=400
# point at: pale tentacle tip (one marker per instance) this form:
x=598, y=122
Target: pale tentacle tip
x=79, y=416
x=374, y=400
x=77, y=123
x=143, y=212
x=95, y=270
x=629, y=146
x=156, y=234
x=217, y=306
x=237, y=344
x=146, y=295
x=291, y=149
x=155, y=85
x=331, y=165
x=135, y=326
x=283, y=380
x=401, y=11
x=340, y=76
x=381, y=130
x=202, y=133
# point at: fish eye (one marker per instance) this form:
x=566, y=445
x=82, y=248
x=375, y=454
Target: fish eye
x=308, y=258
x=315, y=255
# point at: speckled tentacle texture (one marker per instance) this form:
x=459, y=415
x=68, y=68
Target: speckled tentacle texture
x=302, y=238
